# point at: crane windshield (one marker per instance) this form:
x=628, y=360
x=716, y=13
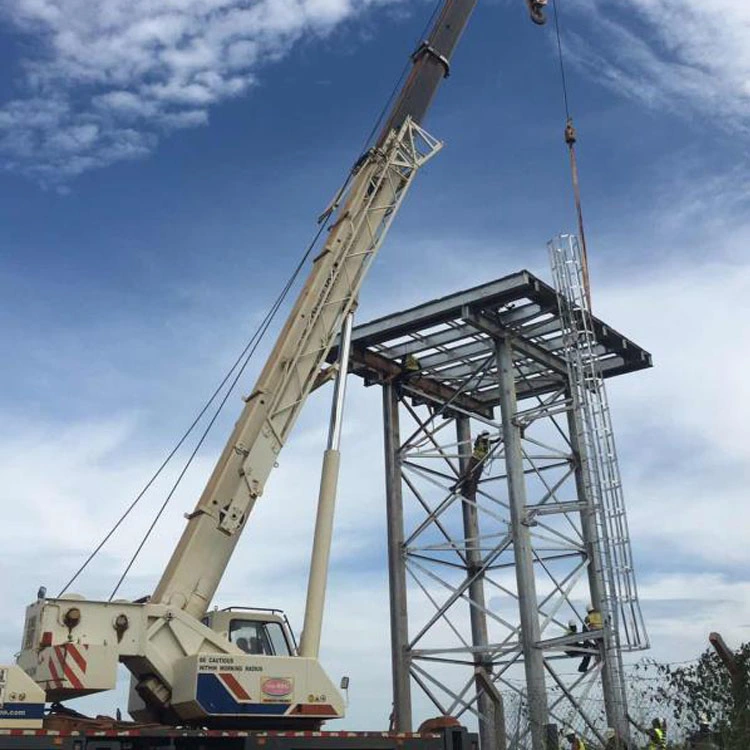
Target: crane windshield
x=259, y=637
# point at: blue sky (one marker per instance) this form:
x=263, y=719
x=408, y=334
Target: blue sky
x=161, y=175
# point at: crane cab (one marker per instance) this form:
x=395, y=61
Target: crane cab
x=263, y=684
x=260, y=632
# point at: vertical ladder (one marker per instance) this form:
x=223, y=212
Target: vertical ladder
x=600, y=468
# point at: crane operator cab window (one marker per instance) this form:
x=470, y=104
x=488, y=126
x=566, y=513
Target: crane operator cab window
x=258, y=637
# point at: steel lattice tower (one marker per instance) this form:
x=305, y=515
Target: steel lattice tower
x=490, y=559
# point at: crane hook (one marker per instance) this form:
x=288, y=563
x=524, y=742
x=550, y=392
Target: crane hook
x=536, y=11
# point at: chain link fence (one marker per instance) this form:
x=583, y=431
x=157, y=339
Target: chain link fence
x=649, y=697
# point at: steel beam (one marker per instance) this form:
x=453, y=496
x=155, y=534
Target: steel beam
x=521, y=345
x=389, y=372
x=495, y=293
x=515, y=318
x=522, y=549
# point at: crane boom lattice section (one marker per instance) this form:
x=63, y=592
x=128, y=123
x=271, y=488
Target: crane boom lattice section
x=598, y=453
x=356, y=238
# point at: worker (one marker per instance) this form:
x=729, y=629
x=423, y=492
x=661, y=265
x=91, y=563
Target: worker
x=592, y=621
x=657, y=733
x=470, y=481
x=411, y=364
x=612, y=741
x=411, y=367
x=576, y=742
x=481, y=446
x=573, y=649
x=703, y=738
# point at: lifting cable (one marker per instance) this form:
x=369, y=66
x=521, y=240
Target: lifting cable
x=240, y=365
x=237, y=369
x=570, y=140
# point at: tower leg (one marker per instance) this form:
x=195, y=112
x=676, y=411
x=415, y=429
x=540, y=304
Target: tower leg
x=402, y=720
x=615, y=702
x=488, y=729
x=524, y=561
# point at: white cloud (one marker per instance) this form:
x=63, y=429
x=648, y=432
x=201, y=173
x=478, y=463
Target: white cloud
x=109, y=77
x=683, y=54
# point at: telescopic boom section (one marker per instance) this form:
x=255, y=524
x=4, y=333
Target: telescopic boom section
x=431, y=64
x=376, y=192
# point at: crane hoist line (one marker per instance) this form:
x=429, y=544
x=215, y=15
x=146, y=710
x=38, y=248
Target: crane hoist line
x=241, y=668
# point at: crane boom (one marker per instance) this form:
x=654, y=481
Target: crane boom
x=377, y=189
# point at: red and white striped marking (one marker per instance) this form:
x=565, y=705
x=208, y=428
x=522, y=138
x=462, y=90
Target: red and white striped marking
x=67, y=664
x=206, y=733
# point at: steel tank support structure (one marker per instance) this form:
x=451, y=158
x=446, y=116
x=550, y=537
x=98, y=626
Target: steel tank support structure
x=529, y=632
x=490, y=559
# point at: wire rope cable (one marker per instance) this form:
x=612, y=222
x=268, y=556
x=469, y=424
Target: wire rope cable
x=570, y=140
x=248, y=353
x=237, y=369
x=240, y=362
x=155, y=475
x=563, y=76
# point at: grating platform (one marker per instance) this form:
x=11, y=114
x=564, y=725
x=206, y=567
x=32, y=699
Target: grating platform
x=452, y=338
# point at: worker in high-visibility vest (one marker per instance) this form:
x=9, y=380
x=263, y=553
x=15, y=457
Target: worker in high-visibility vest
x=593, y=621
x=481, y=446
x=411, y=368
x=411, y=364
x=612, y=741
x=576, y=742
x=480, y=451
x=657, y=733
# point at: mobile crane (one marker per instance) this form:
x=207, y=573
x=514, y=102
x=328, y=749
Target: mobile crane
x=241, y=668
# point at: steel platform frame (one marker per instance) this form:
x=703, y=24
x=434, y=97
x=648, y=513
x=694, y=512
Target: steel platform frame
x=489, y=560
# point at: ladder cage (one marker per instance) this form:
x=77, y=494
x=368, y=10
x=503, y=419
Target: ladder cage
x=599, y=463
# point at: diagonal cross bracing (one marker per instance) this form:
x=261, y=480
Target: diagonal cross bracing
x=458, y=544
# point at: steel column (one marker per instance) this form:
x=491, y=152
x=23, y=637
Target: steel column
x=400, y=662
x=479, y=638
x=522, y=549
x=615, y=702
